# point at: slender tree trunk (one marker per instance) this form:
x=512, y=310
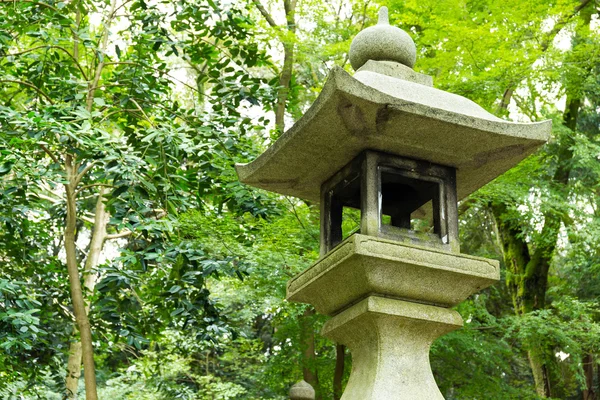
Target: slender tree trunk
x=526, y=280
x=540, y=375
x=92, y=260
x=309, y=358
x=598, y=378
x=288, y=64
x=73, y=369
x=338, y=375
x=288, y=57
x=84, y=349
x=79, y=307
x=588, y=371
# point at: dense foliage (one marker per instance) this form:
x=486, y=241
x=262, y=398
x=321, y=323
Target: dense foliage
x=126, y=238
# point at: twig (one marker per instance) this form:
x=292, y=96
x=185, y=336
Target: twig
x=87, y=219
x=51, y=154
x=30, y=85
x=299, y=220
x=92, y=185
x=157, y=70
x=265, y=13
x=116, y=112
x=53, y=47
x=122, y=234
x=84, y=171
x=141, y=110
x=32, y=2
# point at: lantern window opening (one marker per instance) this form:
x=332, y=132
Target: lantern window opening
x=340, y=201
x=411, y=203
x=391, y=194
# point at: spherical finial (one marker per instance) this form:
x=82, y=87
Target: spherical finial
x=382, y=42
x=302, y=391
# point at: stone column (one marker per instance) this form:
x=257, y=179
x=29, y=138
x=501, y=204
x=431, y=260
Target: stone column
x=390, y=340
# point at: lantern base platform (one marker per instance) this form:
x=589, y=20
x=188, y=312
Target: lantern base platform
x=366, y=265
x=389, y=340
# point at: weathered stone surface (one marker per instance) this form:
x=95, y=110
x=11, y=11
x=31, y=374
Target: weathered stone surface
x=302, y=391
x=390, y=340
x=364, y=265
x=396, y=70
x=382, y=42
x=397, y=117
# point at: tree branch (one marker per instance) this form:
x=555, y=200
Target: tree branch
x=288, y=64
x=154, y=69
x=116, y=112
x=102, y=49
x=51, y=154
x=37, y=3
x=560, y=24
x=53, y=47
x=298, y=218
x=86, y=219
x=30, y=85
x=141, y=110
x=42, y=196
x=92, y=185
x=84, y=171
x=122, y=234
x=265, y=13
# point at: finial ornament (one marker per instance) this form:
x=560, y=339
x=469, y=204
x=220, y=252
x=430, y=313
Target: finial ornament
x=302, y=391
x=382, y=42
x=383, y=16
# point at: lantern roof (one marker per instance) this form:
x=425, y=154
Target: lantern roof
x=388, y=107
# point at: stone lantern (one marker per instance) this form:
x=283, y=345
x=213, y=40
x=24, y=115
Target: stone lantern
x=386, y=143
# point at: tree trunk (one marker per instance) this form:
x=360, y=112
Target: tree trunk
x=92, y=261
x=598, y=374
x=288, y=57
x=338, y=375
x=79, y=308
x=73, y=369
x=288, y=63
x=309, y=358
x=540, y=376
x=527, y=280
x=588, y=371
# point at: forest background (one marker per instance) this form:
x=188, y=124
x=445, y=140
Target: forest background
x=128, y=246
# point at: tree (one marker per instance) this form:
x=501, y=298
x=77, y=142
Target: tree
x=91, y=128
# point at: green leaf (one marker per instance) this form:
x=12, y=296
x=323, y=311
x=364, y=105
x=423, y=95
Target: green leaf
x=119, y=191
x=6, y=167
